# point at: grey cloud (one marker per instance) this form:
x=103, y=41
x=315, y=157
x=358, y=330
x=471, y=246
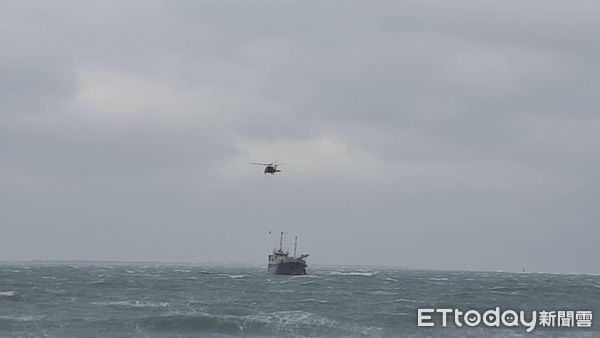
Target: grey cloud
x=423, y=134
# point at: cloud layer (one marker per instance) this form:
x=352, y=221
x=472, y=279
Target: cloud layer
x=422, y=134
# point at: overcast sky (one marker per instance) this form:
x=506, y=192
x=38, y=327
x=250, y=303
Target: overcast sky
x=423, y=134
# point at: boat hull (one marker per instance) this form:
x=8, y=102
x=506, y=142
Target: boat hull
x=289, y=268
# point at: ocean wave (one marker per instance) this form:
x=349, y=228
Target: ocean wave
x=22, y=318
x=284, y=291
x=354, y=273
x=499, y=289
x=404, y=300
x=275, y=323
x=8, y=293
x=238, y=276
x=135, y=303
x=312, y=300
x=383, y=292
x=303, y=276
x=102, y=280
x=506, y=293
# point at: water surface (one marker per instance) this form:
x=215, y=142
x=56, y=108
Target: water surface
x=163, y=300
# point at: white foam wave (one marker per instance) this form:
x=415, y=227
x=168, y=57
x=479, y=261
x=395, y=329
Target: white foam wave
x=296, y=321
x=238, y=276
x=353, y=273
x=23, y=318
x=8, y=293
x=438, y=278
x=280, y=323
x=312, y=300
x=404, y=300
x=135, y=303
x=303, y=276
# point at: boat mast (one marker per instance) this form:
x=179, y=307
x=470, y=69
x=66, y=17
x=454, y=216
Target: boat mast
x=295, y=245
x=281, y=242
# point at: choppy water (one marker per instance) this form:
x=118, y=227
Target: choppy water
x=135, y=300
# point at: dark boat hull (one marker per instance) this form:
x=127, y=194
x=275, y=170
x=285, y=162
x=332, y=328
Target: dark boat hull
x=289, y=268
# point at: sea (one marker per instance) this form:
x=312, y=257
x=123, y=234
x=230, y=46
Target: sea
x=103, y=299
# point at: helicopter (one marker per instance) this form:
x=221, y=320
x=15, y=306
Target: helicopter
x=270, y=168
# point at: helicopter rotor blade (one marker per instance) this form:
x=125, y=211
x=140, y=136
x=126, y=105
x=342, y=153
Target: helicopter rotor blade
x=260, y=163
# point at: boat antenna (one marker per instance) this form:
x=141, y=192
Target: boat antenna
x=281, y=242
x=295, y=245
